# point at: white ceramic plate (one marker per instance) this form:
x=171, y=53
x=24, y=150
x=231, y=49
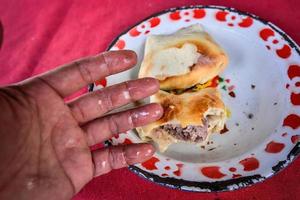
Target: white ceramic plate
x=260, y=87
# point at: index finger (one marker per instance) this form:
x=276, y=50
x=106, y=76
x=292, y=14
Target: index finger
x=78, y=74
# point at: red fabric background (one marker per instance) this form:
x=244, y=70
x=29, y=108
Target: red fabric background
x=40, y=35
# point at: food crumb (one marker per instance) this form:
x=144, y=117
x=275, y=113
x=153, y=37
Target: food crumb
x=252, y=87
x=284, y=134
x=232, y=94
x=234, y=144
x=224, y=88
x=250, y=115
x=252, y=128
x=203, y=147
x=237, y=124
x=224, y=130
x=287, y=86
x=275, y=103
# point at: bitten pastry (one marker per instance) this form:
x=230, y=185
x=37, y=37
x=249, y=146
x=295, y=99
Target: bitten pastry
x=189, y=117
x=183, y=59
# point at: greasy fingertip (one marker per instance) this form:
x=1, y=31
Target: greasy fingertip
x=141, y=88
x=147, y=114
x=129, y=56
x=118, y=61
x=116, y=157
x=137, y=153
x=158, y=110
x=151, y=83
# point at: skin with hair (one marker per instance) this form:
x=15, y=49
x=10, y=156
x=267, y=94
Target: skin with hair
x=45, y=141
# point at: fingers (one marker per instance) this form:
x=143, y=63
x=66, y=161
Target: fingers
x=93, y=105
x=103, y=128
x=76, y=75
x=120, y=156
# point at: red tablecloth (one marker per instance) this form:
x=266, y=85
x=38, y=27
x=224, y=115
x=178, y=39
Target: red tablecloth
x=40, y=35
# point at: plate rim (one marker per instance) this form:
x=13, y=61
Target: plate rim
x=216, y=186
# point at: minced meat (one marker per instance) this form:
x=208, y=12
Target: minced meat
x=189, y=133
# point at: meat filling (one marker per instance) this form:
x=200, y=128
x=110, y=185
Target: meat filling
x=189, y=133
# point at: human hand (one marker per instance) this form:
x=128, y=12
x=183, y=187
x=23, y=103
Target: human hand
x=44, y=146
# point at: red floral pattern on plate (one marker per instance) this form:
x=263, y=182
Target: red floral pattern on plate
x=150, y=164
x=234, y=19
x=212, y=172
x=187, y=15
x=120, y=44
x=145, y=27
x=274, y=147
x=292, y=121
x=294, y=74
x=295, y=139
x=102, y=82
x=250, y=164
x=275, y=43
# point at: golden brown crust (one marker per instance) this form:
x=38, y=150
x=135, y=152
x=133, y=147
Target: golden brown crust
x=185, y=109
x=212, y=62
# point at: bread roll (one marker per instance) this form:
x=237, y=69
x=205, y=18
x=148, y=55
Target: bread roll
x=182, y=59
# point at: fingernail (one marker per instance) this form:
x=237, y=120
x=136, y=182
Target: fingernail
x=151, y=83
x=147, y=114
x=129, y=56
x=152, y=110
x=159, y=111
x=142, y=88
x=138, y=153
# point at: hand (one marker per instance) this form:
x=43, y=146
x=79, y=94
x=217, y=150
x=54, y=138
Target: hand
x=44, y=146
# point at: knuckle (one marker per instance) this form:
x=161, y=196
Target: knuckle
x=113, y=125
x=84, y=72
x=106, y=63
x=132, y=119
x=127, y=92
x=104, y=100
x=78, y=112
x=117, y=157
